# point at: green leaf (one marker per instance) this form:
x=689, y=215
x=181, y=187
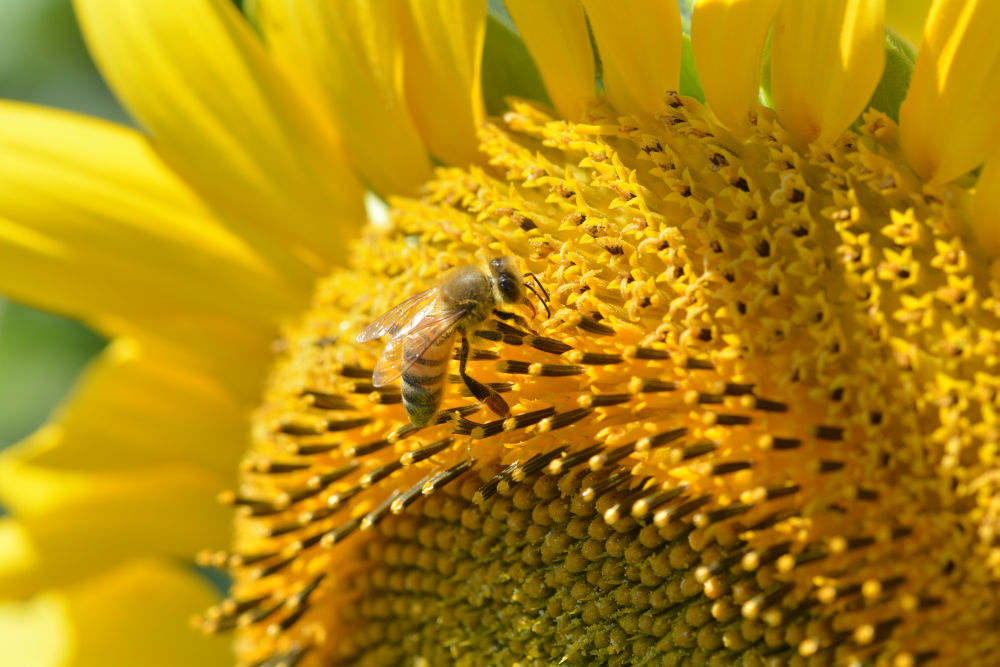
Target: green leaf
x=41, y=356
x=765, y=75
x=508, y=70
x=895, y=81
x=497, y=10
x=43, y=59
x=689, y=84
x=251, y=12
x=687, y=8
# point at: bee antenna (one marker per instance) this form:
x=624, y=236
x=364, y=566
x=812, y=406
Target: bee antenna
x=538, y=283
x=545, y=301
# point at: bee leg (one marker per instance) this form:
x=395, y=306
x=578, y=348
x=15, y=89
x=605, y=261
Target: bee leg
x=486, y=395
x=518, y=320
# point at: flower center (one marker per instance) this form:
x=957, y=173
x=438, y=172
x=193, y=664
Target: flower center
x=759, y=423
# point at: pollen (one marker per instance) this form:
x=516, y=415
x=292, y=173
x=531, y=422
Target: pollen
x=759, y=426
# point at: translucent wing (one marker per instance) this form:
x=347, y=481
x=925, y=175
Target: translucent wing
x=396, y=318
x=421, y=337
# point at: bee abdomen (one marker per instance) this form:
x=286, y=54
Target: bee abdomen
x=429, y=363
x=424, y=379
x=421, y=402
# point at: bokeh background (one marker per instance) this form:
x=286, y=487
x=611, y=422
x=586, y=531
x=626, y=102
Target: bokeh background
x=43, y=61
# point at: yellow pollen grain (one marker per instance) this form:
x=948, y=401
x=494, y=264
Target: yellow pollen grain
x=786, y=563
x=864, y=634
x=871, y=589
x=809, y=647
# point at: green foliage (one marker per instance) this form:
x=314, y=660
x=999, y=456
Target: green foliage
x=40, y=357
x=689, y=83
x=43, y=59
x=891, y=90
x=508, y=70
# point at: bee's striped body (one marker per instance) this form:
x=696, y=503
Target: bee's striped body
x=423, y=381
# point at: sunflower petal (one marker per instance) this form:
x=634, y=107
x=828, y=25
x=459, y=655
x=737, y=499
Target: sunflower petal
x=146, y=603
x=826, y=59
x=114, y=619
x=347, y=55
x=728, y=38
x=640, y=46
x=77, y=220
x=443, y=52
x=76, y=525
x=227, y=121
x=36, y=632
x=59, y=275
x=165, y=413
x=948, y=122
x=555, y=33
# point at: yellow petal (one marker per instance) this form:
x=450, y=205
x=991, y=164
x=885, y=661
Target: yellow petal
x=36, y=632
x=36, y=490
x=196, y=77
x=986, y=206
x=136, y=615
x=907, y=17
x=165, y=413
x=640, y=46
x=111, y=234
x=826, y=60
x=727, y=38
x=950, y=119
x=348, y=56
x=555, y=32
x=140, y=614
x=443, y=52
x=78, y=525
x=17, y=551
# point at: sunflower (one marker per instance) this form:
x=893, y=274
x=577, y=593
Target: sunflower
x=752, y=408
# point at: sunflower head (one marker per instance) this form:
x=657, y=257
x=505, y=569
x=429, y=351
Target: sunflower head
x=748, y=417
x=741, y=436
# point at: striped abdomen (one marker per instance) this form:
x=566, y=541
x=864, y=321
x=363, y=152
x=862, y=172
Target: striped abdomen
x=423, y=382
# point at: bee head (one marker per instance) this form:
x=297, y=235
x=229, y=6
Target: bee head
x=508, y=280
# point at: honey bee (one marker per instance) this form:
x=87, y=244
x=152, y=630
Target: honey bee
x=422, y=332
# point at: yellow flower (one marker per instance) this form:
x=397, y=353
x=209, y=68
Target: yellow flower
x=759, y=426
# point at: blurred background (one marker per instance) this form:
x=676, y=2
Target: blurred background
x=43, y=61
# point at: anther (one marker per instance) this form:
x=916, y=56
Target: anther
x=411, y=457
x=445, y=477
x=336, y=535
x=379, y=474
x=324, y=401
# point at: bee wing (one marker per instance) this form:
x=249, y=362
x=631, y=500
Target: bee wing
x=396, y=318
x=419, y=338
